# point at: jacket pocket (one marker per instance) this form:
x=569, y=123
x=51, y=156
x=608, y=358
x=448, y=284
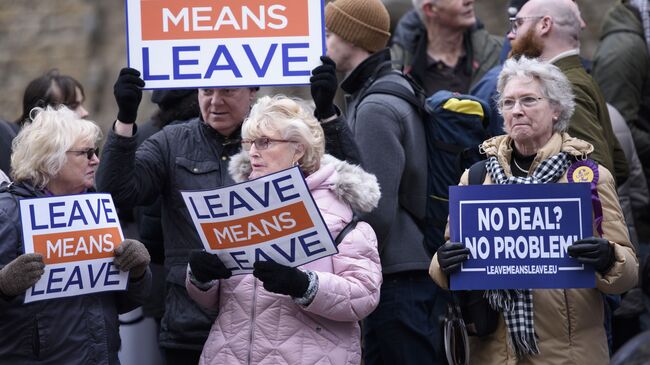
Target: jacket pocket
x=191, y=174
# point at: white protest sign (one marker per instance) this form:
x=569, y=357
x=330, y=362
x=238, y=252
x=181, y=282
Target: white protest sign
x=211, y=43
x=76, y=234
x=272, y=218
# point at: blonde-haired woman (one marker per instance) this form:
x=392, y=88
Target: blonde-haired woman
x=308, y=314
x=56, y=154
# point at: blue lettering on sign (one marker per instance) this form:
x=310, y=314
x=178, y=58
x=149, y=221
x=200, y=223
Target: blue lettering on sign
x=259, y=253
x=222, y=50
x=292, y=247
x=237, y=202
x=107, y=211
x=176, y=52
x=213, y=213
x=260, y=71
x=54, y=215
x=37, y=292
x=76, y=214
x=306, y=245
x=51, y=280
x=33, y=219
x=94, y=279
x=265, y=201
x=109, y=273
x=286, y=59
x=196, y=211
x=94, y=213
x=281, y=189
x=235, y=256
x=76, y=273
x=146, y=74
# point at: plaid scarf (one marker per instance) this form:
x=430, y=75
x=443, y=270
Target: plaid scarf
x=517, y=305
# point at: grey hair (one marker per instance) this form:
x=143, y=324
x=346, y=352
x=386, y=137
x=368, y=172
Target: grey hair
x=554, y=86
x=39, y=150
x=417, y=5
x=294, y=120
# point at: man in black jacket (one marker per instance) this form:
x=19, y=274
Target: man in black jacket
x=188, y=156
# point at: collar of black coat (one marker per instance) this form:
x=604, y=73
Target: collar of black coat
x=233, y=138
x=365, y=70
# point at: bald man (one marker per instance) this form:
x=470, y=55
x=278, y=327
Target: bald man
x=550, y=29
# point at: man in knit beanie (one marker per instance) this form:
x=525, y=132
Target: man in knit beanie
x=391, y=140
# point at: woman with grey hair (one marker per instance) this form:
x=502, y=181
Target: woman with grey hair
x=54, y=155
x=550, y=326
x=294, y=315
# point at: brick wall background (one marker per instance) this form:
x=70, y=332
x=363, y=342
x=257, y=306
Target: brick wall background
x=86, y=39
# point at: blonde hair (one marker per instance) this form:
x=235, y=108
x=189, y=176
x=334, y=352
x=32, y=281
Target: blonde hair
x=293, y=119
x=39, y=150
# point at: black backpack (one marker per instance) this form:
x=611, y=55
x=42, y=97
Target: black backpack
x=455, y=125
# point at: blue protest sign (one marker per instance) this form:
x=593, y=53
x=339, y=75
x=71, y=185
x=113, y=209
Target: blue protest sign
x=518, y=235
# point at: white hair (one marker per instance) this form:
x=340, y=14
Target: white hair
x=553, y=83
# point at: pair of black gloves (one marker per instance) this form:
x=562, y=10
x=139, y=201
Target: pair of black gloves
x=128, y=91
x=591, y=251
x=277, y=278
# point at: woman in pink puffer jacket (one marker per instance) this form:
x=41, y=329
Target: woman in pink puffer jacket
x=304, y=315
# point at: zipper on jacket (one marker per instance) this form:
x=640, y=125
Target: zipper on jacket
x=568, y=315
x=36, y=340
x=250, y=337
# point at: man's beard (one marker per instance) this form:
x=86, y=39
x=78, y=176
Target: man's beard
x=528, y=45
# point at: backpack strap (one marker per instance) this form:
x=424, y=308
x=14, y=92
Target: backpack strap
x=477, y=173
x=352, y=224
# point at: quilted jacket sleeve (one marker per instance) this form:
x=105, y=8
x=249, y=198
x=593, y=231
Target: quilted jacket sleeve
x=624, y=274
x=351, y=292
x=208, y=299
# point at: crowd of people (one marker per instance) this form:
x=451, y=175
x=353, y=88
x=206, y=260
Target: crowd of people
x=383, y=297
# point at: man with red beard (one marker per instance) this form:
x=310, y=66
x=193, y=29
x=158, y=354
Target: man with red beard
x=549, y=30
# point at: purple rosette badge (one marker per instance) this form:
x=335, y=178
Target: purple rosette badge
x=587, y=171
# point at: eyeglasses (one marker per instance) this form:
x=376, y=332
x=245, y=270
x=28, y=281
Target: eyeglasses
x=261, y=143
x=515, y=22
x=90, y=152
x=524, y=101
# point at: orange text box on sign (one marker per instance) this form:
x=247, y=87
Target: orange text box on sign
x=77, y=245
x=259, y=228
x=204, y=19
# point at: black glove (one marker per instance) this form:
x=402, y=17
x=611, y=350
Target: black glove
x=451, y=255
x=593, y=251
x=207, y=267
x=128, y=94
x=281, y=279
x=323, y=88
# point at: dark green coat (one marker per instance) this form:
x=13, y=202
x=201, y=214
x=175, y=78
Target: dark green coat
x=622, y=69
x=590, y=121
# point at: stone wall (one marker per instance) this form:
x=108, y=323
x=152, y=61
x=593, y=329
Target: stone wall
x=86, y=39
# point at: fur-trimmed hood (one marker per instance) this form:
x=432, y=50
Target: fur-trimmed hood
x=350, y=183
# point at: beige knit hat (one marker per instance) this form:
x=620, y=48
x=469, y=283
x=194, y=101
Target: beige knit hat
x=364, y=23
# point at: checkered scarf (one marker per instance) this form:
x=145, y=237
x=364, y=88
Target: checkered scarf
x=517, y=305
